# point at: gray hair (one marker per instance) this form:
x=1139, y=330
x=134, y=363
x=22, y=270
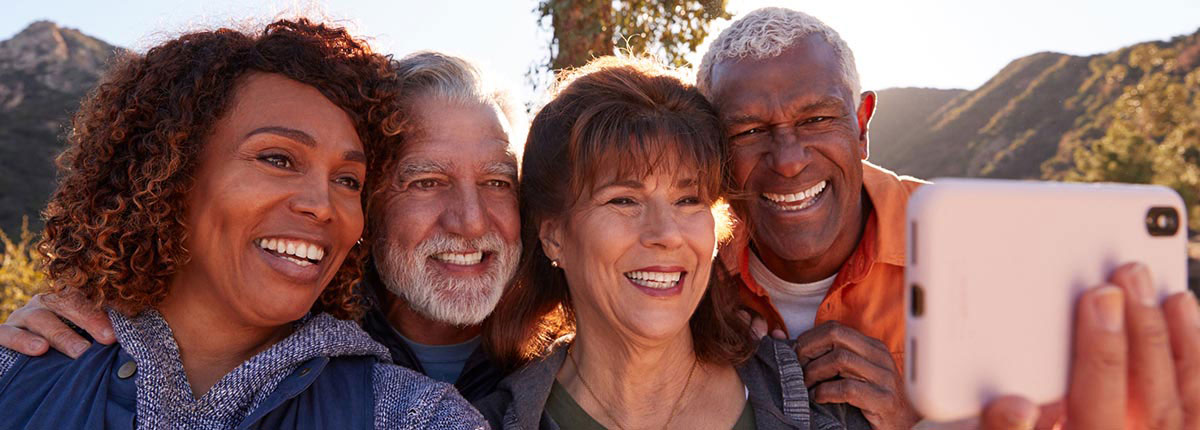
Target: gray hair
x=443, y=77
x=766, y=33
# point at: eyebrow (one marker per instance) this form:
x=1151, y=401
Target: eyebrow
x=423, y=166
x=822, y=103
x=630, y=183
x=505, y=168
x=305, y=139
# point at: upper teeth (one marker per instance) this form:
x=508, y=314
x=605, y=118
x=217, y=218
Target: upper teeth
x=300, y=249
x=795, y=197
x=654, y=279
x=461, y=259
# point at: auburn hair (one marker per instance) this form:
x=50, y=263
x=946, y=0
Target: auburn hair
x=631, y=115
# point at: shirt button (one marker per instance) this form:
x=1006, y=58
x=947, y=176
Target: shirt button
x=127, y=369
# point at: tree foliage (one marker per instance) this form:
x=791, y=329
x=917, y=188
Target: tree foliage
x=584, y=29
x=20, y=274
x=1151, y=133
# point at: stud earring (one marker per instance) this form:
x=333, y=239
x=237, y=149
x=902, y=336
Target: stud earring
x=554, y=263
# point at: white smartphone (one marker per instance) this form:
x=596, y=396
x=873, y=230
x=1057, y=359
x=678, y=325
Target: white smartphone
x=994, y=268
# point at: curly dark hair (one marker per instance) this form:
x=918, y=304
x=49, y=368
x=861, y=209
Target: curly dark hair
x=115, y=226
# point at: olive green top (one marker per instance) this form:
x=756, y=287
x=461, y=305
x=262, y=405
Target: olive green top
x=570, y=416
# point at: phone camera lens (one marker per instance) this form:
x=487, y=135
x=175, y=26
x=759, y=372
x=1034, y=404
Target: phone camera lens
x=1162, y=221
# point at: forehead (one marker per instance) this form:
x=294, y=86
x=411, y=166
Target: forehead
x=459, y=134
x=266, y=99
x=807, y=71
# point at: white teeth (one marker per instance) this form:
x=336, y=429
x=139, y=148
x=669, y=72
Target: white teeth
x=657, y=280
x=804, y=197
x=301, y=253
x=461, y=259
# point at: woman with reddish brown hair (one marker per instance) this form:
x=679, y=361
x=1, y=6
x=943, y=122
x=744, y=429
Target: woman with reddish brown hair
x=211, y=198
x=614, y=319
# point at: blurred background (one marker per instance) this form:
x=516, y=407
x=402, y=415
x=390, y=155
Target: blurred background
x=1067, y=90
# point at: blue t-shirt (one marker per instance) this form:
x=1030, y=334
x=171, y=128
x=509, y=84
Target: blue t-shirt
x=443, y=362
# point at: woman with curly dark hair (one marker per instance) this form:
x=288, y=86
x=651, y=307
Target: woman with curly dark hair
x=211, y=198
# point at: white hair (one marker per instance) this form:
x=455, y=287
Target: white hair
x=429, y=74
x=766, y=33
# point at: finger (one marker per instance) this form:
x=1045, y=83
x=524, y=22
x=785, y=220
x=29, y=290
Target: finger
x=22, y=341
x=829, y=335
x=759, y=327
x=779, y=334
x=1050, y=416
x=79, y=311
x=870, y=398
x=846, y=364
x=1183, y=319
x=1153, y=393
x=42, y=322
x=1009, y=413
x=1096, y=395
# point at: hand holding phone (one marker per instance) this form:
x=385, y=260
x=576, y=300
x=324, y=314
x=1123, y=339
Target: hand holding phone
x=994, y=271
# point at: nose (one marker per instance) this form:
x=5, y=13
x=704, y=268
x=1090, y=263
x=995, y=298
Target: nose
x=789, y=155
x=465, y=214
x=314, y=201
x=660, y=228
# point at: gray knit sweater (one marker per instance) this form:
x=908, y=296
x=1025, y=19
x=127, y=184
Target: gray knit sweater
x=403, y=399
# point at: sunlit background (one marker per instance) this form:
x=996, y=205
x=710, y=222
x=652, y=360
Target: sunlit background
x=912, y=43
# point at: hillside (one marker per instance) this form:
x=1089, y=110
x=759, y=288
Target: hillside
x=44, y=71
x=1032, y=117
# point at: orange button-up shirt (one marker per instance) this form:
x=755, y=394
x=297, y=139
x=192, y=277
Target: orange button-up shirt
x=868, y=293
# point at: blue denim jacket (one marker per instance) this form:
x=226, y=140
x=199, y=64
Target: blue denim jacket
x=772, y=376
x=327, y=374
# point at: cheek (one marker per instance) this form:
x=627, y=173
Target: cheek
x=742, y=164
x=504, y=214
x=407, y=222
x=701, y=234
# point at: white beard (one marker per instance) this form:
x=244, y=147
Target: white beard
x=456, y=301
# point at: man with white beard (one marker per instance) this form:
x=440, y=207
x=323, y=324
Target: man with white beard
x=445, y=227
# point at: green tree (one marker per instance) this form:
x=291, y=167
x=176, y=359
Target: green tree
x=584, y=29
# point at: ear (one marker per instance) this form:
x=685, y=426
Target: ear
x=866, y=111
x=550, y=234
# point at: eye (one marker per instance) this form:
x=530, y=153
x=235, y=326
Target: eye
x=350, y=182
x=425, y=184
x=751, y=132
x=497, y=183
x=622, y=201
x=278, y=160
x=689, y=201
x=817, y=119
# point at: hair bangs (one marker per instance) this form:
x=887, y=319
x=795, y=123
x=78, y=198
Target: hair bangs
x=615, y=145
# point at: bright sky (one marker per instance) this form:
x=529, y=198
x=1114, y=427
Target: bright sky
x=927, y=43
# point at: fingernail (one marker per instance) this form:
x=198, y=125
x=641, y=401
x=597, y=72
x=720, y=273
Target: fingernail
x=1109, y=306
x=1143, y=287
x=78, y=348
x=1026, y=416
x=1191, y=310
x=37, y=344
x=108, y=334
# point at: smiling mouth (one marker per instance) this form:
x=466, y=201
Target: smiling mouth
x=460, y=258
x=297, y=252
x=796, y=201
x=655, y=280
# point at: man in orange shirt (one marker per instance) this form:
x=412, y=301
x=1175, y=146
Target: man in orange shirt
x=819, y=251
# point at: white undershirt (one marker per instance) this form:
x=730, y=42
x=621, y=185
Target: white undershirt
x=796, y=303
